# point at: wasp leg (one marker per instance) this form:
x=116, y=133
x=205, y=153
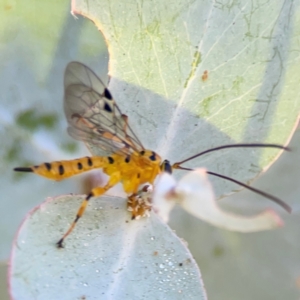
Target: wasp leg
x=98, y=191
x=128, y=139
x=140, y=204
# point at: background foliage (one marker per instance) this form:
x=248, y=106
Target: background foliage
x=38, y=41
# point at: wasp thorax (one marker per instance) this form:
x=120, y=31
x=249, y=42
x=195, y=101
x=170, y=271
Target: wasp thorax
x=150, y=156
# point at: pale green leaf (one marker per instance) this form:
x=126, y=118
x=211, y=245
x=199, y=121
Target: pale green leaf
x=108, y=256
x=161, y=54
x=255, y=60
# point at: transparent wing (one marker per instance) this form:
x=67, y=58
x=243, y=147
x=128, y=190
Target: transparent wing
x=92, y=113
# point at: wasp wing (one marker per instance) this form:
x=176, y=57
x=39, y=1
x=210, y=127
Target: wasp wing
x=92, y=113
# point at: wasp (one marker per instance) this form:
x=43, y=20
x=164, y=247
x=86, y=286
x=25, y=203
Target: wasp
x=94, y=117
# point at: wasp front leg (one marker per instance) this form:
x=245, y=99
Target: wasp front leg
x=95, y=192
x=140, y=204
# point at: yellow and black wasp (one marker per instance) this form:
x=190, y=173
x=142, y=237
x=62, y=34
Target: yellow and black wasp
x=94, y=117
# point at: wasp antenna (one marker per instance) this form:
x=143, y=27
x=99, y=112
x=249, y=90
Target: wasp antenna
x=256, y=145
x=262, y=193
x=176, y=166
x=257, y=191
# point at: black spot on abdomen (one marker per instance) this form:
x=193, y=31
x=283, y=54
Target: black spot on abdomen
x=89, y=161
x=48, y=166
x=61, y=169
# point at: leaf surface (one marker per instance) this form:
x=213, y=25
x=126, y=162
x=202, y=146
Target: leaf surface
x=197, y=74
x=108, y=256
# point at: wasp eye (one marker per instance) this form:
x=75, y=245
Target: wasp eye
x=166, y=166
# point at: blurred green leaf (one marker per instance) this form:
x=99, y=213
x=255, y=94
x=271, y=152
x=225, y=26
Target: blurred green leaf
x=39, y=40
x=30, y=120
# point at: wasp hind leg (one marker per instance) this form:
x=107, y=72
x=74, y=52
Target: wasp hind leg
x=96, y=192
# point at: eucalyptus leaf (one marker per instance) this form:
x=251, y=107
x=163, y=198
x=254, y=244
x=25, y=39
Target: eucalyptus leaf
x=108, y=256
x=197, y=74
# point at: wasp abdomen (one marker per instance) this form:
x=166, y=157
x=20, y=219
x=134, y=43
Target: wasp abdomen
x=58, y=170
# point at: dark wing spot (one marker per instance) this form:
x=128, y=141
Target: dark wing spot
x=142, y=152
x=127, y=159
x=79, y=166
x=61, y=169
x=76, y=115
x=110, y=160
x=107, y=94
x=153, y=156
x=107, y=107
x=89, y=161
x=48, y=166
